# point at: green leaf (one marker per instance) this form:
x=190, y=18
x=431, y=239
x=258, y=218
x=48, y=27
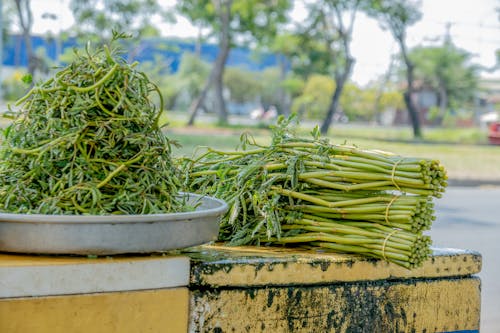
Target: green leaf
x=27, y=78
x=316, y=133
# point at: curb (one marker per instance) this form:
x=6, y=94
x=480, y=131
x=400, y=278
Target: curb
x=473, y=182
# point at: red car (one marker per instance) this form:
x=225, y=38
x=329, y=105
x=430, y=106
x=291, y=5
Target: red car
x=494, y=133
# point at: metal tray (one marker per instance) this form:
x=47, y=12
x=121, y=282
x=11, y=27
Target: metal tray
x=112, y=234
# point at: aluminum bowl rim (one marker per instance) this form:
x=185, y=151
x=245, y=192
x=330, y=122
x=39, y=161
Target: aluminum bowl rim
x=219, y=210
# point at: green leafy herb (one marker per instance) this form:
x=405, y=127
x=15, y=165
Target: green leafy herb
x=27, y=78
x=87, y=141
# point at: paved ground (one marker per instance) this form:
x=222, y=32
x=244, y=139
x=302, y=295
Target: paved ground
x=469, y=218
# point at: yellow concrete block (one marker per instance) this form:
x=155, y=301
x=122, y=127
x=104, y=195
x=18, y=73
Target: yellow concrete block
x=35, y=276
x=435, y=305
x=217, y=265
x=162, y=310
x=14, y=259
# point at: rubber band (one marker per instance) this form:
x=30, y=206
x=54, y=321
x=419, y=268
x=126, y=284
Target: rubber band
x=388, y=207
x=385, y=242
x=394, y=172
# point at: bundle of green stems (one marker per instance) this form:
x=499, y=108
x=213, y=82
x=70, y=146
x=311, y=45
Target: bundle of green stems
x=310, y=192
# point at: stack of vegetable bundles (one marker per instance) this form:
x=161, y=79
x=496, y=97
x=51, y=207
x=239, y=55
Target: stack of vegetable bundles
x=87, y=141
x=312, y=193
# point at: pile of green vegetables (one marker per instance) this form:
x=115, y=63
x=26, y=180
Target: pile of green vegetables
x=87, y=141
x=313, y=193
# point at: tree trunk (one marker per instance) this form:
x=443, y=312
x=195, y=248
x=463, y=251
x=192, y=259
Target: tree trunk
x=220, y=64
x=412, y=111
x=443, y=101
x=340, y=81
x=26, y=21
x=334, y=104
x=198, y=102
x=217, y=73
x=410, y=106
x=343, y=72
x=283, y=107
x=224, y=46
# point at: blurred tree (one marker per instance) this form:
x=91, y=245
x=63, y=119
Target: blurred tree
x=158, y=71
x=358, y=103
x=217, y=15
x=306, y=55
x=298, y=56
x=293, y=84
x=4, y=27
x=446, y=69
x=316, y=97
x=390, y=99
x=355, y=102
x=329, y=25
x=190, y=78
x=242, y=84
x=273, y=89
x=231, y=21
x=396, y=16
x=17, y=14
x=383, y=82
x=13, y=86
x=7, y=11
x=25, y=23
x=281, y=71
x=96, y=20
x=192, y=73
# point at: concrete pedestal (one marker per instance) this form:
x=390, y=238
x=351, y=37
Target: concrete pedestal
x=55, y=294
x=242, y=289
x=282, y=290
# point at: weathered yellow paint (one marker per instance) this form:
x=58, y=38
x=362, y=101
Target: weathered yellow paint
x=249, y=289
x=7, y=260
x=260, y=266
x=163, y=310
x=436, y=305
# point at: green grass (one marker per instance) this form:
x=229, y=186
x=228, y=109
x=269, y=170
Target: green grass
x=463, y=162
x=192, y=142
x=443, y=135
x=472, y=135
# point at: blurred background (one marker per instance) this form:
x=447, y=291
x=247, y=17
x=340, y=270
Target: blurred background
x=422, y=64
x=419, y=78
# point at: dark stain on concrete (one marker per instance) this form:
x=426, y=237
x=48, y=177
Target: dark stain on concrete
x=251, y=292
x=270, y=297
x=363, y=306
x=323, y=264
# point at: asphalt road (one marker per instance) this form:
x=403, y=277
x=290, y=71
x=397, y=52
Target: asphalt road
x=469, y=218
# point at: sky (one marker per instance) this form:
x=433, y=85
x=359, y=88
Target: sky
x=474, y=26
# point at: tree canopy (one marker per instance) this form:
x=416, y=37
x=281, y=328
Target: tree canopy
x=97, y=18
x=397, y=16
x=231, y=21
x=448, y=70
x=314, y=60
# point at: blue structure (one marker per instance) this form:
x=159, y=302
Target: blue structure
x=171, y=50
